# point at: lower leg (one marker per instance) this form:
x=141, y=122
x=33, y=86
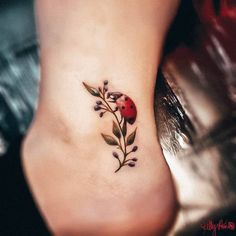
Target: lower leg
x=68, y=164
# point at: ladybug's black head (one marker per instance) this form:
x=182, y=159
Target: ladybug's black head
x=115, y=95
x=131, y=120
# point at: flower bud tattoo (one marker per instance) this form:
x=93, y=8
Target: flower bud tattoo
x=124, y=112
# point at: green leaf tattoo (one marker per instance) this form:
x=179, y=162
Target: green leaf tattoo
x=116, y=130
x=91, y=90
x=131, y=138
x=124, y=128
x=109, y=140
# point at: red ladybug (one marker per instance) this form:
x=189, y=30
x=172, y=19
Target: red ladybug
x=126, y=107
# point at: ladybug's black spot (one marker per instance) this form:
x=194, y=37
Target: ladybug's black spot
x=123, y=107
x=131, y=106
x=126, y=98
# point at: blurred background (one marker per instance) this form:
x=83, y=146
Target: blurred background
x=194, y=103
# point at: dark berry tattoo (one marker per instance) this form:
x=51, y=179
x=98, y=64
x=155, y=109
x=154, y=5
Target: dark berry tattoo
x=124, y=112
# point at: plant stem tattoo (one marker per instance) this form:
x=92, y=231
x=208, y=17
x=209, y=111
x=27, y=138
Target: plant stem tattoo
x=124, y=112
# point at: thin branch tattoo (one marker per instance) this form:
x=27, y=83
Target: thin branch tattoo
x=124, y=112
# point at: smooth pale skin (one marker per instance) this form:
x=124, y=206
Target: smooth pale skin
x=68, y=165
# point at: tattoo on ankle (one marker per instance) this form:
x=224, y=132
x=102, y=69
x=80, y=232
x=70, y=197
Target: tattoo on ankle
x=124, y=112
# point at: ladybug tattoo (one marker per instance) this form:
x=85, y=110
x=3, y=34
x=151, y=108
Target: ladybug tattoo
x=126, y=106
x=124, y=112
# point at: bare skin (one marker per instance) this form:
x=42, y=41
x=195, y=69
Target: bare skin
x=68, y=165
